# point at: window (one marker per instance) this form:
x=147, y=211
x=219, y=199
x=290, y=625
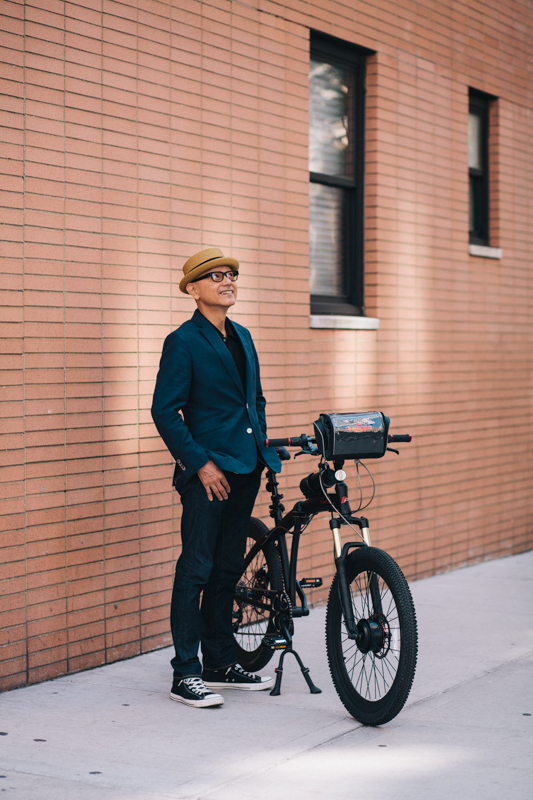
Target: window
x=478, y=166
x=336, y=153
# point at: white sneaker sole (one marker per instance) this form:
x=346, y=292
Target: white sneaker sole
x=246, y=687
x=215, y=700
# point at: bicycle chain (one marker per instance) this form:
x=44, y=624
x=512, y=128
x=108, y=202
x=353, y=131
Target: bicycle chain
x=283, y=608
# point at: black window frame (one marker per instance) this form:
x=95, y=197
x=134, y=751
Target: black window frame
x=351, y=57
x=479, y=178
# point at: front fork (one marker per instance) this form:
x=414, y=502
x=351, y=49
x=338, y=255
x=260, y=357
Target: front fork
x=340, y=562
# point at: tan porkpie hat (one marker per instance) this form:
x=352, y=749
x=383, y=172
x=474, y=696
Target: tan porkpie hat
x=205, y=261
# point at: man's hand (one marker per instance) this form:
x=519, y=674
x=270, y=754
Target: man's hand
x=214, y=481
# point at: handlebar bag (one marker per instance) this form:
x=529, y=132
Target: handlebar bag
x=357, y=435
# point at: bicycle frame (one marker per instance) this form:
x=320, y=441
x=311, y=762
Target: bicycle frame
x=294, y=521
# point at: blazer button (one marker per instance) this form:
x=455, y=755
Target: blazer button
x=248, y=430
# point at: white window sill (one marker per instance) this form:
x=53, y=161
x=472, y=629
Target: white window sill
x=343, y=323
x=484, y=252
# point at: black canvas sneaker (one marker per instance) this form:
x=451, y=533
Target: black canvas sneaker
x=193, y=692
x=235, y=677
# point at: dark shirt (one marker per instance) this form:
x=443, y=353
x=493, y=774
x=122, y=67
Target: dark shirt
x=234, y=345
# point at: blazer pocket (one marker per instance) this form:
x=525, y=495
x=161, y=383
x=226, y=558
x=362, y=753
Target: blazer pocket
x=205, y=430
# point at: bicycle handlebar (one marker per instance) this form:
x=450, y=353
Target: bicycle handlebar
x=298, y=441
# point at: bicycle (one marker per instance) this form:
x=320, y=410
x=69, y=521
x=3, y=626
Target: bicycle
x=371, y=629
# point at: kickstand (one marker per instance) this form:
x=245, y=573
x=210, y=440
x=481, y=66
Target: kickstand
x=305, y=672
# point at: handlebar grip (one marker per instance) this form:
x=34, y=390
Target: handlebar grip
x=400, y=437
x=288, y=441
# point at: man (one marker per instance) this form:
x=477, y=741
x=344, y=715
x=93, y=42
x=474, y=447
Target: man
x=209, y=372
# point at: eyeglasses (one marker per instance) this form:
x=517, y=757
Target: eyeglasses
x=218, y=277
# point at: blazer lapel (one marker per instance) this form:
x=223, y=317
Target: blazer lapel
x=222, y=351
x=250, y=365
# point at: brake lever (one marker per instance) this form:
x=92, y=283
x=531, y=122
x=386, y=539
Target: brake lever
x=312, y=451
x=393, y=450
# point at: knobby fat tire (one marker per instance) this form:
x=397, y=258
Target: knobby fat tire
x=373, y=687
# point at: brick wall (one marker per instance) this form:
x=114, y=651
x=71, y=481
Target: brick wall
x=135, y=133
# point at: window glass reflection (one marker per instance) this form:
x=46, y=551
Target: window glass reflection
x=328, y=126
x=472, y=208
x=325, y=217
x=474, y=141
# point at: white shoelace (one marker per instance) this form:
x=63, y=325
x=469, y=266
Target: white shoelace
x=196, y=685
x=241, y=671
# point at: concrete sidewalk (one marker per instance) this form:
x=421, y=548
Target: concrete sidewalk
x=467, y=730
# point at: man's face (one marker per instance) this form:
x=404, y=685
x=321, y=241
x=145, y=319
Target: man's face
x=207, y=292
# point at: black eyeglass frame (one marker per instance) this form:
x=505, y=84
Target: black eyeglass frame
x=229, y=272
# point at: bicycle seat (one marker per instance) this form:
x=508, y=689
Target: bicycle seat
x=283, y=453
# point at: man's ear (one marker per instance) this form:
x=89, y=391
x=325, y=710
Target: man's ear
x=192, y=290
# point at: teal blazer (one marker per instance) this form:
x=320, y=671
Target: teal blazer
x=218, y=420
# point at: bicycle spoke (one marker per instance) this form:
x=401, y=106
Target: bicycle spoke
x=251, y=623
x=372, y=674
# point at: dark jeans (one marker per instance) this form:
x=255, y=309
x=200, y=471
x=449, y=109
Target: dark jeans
x=213, y=535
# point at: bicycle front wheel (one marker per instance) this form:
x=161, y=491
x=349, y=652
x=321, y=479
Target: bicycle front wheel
x=373, y=676
x=251, y=622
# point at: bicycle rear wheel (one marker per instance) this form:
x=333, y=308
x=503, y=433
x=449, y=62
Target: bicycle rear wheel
x=373, y=677
x=250, y=624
